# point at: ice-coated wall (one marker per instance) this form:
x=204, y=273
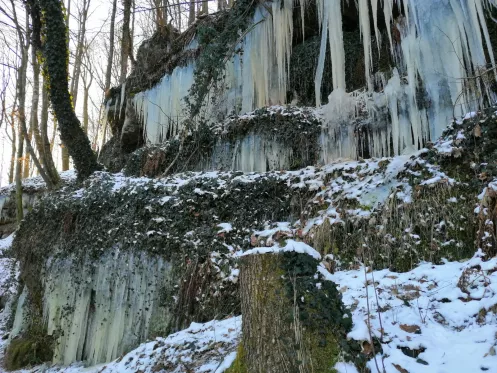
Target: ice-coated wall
x=254, y=152
x=437, y=46
x=99, y=309
x=443, y=44
x=254, y=79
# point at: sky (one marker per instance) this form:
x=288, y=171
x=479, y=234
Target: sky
x=98, y=32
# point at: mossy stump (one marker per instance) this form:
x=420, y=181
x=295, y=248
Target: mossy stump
x=292, y=320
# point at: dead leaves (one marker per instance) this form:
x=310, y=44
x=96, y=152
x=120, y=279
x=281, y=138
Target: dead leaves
x=400, y=369
x=414, y=329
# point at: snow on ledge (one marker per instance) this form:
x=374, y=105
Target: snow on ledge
x=291, y=246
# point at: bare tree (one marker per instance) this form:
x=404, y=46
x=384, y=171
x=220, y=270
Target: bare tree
x=23, y=42
x=111, y=46
x=80, y=49
x=46, y=147
x=76, y=73
x=191, y=12
x=55, y=62
x=126, y=46
x=87, y=77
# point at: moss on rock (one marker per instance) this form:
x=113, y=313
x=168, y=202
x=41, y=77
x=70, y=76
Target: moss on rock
x=293, y=319
x=32, y=348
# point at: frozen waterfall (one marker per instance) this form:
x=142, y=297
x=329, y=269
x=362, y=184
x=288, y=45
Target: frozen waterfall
x=101, y=309
x=436, y=45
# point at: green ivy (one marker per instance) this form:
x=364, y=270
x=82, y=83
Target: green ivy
x=217, y=43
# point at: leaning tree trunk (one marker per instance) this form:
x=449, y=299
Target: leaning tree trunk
x=293, y=320
x=55, y=59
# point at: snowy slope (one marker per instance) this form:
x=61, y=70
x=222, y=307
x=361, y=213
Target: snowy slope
x=429, y=313
x=432, y=320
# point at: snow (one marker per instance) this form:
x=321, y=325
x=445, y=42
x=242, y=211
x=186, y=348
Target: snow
x=291, y=246
x=5, y=243
x=427, y=298
x=225, y=227
x=346, y=368
x=8, y=269
x=202, y=348
x=36, y=183
x=424, y=311
x=470, y=115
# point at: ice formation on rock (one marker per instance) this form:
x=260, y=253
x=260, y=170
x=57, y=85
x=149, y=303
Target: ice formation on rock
x=442, y=44
x=437, y=46
x=253, y=80
x=252, y=153
x=99, y=310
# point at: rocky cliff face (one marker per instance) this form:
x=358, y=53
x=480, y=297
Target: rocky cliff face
x=120, y=260
x=127, y=257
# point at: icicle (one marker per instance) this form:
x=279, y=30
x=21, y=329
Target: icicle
x=3, y=201
x=374, y=9
x=318, y=81
x=336, y=43
x=122, y=98
x=387, y=13
x=21, y=315
x=365, y=27
x=331, y=13
x=101, y=310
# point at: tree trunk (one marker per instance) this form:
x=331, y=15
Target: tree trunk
x=290, y=323
x=13, y=155
x=66, y=162
x=21, y=96
x=205, y=8
x=85, y=103
x=79, y=51
x=20, y=148
x=48, y=161
x=55, y=58
x=33, y=118
x=108, y=73
x=191, y=14
x=125, y=41
x=27, y=159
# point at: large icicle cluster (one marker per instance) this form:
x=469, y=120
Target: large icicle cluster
x=442, y=44
x=161, y=108
x=253, y=80
x=101, y=310
x=437, y=46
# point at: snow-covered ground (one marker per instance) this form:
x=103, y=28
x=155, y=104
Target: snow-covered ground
x=432, y=317
x=430, y=320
